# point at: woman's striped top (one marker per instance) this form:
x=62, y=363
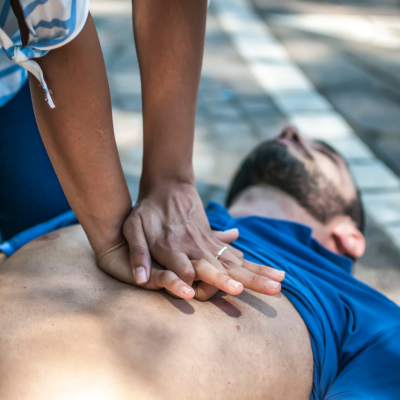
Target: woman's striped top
x=51, y=24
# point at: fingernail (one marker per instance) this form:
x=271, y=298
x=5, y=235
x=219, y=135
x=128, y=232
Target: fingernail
x=140, y=275
x=231, y=230
x=279, y=274
x=273, y=285
x=187, y=291
x=235, y=284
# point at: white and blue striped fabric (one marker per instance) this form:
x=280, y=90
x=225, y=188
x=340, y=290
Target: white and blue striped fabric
x=51, y=23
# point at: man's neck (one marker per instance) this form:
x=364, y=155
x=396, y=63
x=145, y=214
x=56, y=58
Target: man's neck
x=267, y=201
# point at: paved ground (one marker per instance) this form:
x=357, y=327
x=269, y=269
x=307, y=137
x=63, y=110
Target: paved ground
x=237, y=109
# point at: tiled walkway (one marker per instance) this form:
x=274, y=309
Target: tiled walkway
x=250, y=88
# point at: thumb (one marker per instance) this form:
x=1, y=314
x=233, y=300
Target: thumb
x=228, y=236
x=139, y=252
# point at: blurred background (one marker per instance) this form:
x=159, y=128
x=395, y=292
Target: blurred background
x=330, y=67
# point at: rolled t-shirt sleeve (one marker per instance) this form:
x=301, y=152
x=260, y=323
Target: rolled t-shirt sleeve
x=373, y=373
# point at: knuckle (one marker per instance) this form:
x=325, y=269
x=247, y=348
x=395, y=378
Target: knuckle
x=138, y=251
x=240, y=254
x=174, y=282
x=166, y=278
x=221, y=276
x=255, y=279
x=128, y=224
x=126, y=228
x=260, y=269
x=203, y=261
x=187, y=273
x=198, y=263
x=229, y=265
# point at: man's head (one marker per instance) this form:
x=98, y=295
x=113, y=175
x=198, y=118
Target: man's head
x=302, y=181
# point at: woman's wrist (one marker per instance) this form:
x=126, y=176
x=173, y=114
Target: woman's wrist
x=106, y=231
x=183, y=176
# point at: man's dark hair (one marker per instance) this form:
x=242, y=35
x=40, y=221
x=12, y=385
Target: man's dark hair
x=272, y=164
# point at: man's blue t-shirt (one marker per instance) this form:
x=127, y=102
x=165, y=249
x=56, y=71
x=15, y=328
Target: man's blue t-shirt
x=354, y=330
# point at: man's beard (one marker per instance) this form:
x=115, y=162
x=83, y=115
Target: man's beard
x=312, y=190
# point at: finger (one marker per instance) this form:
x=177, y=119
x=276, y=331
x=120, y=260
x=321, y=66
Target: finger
x=250, y=280
x=272, y=273
x=208, y=273
x=168, y=280
x=228, y=236
x=180, y=264
x=221, y=244
x=204, y=291
x=139, y=253
x=262, y=270
x=236, y=252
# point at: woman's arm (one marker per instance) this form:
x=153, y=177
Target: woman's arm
x=168, y=221
x=79, y=138
x=78, y=134
x=169, y=38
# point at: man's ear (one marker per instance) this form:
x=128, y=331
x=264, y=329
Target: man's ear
x=349, y=240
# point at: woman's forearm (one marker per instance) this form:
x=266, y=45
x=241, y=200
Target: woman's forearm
x=169, y=37
x=79, y=137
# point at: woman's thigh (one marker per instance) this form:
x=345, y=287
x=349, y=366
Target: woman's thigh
x=30, y=192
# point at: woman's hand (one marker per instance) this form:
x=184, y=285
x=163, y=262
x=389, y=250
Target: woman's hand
x=208, y=279
x=115, y=262
x=169, y=225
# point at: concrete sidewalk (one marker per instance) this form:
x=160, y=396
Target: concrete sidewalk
x=235, y=112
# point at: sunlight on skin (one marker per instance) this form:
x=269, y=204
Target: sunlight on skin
x=3, y=257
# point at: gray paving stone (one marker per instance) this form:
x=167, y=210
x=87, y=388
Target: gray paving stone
x=367, y=109
x=255, y=105
x=223, y=111
x=210, y=95
x=380, y=252
x=380, y=265
x=372, y=5
x=321, y=61
x=301, y=101
x=321, y=125
x=385, y=7
x=207, y=82
x=388, y=148
x=352, y=148
x=269, y=127
x=210, y=193
x=394, y=233
x=128, y=83
x=374, y=176
x=227, y=129
x=383, y=207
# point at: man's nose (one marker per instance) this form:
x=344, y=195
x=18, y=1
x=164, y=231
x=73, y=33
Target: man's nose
x=291, y=133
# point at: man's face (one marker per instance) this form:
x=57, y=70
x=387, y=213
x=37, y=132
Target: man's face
x=311, y=172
